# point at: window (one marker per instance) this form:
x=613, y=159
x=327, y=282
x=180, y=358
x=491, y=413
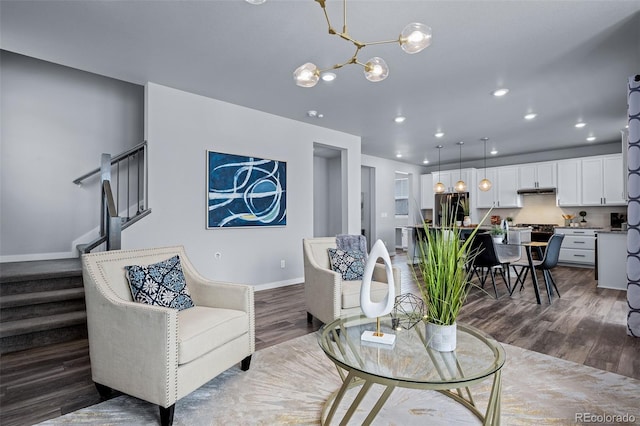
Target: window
x=402, y=197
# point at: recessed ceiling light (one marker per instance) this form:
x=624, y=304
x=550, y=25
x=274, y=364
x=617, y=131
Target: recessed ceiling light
x=425, y=161
x=530, y=116
x=314, y=114
x=398, y=155
x=255, y=1
x=439, y=134
x=500, y=92
x=591, y=138
x=328, y=76
x=493, y=151
x=399, y=119
x=580, y=124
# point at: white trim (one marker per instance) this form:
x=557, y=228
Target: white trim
x=38, y=256
x=277, y=284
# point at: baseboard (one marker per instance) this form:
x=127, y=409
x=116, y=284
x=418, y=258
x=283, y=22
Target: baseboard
x=37, y=256
x=277, y=284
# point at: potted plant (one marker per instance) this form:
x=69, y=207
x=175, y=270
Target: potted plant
x=497, y=233
x=509, y=220
x=466, y=210
x=444, y=281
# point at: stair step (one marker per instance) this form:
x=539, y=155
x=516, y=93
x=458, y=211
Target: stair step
x=49, y=322
x=37, y=298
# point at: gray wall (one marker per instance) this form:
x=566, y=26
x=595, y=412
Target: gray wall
x=384, y=209
x=56, y=122
x=180, y=128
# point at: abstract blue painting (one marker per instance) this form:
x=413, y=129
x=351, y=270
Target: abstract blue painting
x=245, y=191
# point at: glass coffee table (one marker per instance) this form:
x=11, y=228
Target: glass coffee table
x=410, y=363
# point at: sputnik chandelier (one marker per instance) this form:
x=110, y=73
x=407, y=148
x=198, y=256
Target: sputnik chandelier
x=414, y=38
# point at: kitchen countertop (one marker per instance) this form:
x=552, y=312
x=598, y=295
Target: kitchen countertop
x=580, y=227
x=612, y=231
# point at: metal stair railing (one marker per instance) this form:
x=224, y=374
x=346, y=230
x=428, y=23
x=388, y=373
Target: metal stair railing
x=111, y=223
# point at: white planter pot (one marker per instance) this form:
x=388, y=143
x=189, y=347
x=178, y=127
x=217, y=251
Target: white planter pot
x=466, y=221
x=498, y=240
x=441, y=337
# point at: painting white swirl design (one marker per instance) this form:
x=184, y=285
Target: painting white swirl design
x=245, y=191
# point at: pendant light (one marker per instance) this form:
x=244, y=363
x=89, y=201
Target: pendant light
x=439, y=188
x=485, y=184
x=460, y=185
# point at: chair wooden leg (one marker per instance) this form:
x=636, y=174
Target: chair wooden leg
x=166, y=415
x=244, y=365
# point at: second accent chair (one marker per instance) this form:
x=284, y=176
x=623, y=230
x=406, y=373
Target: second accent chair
x=327, y=295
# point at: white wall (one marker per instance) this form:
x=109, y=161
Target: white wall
x=320, y=197
x=56, y=122
x=385, y=172
x=180, y=128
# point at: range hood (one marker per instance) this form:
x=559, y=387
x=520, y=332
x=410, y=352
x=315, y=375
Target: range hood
x=537, y=191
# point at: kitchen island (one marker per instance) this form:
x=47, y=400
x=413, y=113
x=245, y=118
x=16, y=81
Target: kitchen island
x=612, y=259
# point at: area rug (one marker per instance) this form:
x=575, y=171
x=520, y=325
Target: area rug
x=289, y=383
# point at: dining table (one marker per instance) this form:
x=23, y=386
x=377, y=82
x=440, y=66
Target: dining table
x=538, y=245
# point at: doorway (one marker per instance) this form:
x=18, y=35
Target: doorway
x=328, y=188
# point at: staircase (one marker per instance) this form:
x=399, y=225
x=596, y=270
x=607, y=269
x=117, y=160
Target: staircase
x=41, y=303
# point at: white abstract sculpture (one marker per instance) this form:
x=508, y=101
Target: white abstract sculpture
x=377, y=309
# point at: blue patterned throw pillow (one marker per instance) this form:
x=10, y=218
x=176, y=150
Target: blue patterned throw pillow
x=350, y=263
x=161, y=284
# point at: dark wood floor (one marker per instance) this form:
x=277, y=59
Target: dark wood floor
x=586, y=325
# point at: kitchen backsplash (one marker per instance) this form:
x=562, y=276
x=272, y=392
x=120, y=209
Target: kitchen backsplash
x=543, y=209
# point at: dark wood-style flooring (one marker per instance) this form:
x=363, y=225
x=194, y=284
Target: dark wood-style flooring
x=586, y=325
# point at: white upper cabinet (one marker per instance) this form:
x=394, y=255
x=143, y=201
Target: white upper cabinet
x=614, y=172
x=508, y=187
x=602, y=181
x=503, y=192
x=592, y=182
x=485, y=200
x=537, y=175
x=426, y=192
x=569, y=183
x=450, y=177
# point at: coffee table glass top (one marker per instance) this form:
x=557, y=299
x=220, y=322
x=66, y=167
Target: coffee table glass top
x=409, y=359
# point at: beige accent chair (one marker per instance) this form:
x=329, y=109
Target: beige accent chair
x=160, y=354
x=326, y=294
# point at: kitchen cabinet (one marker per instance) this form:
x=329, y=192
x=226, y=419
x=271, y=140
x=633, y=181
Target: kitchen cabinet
x=485, y=200
x=612, y=260
x=578, y=246
x=537, y=175
x=450, y=177
x=503, y=192
x=602, y=181
x=569, y=183
x=426, y=192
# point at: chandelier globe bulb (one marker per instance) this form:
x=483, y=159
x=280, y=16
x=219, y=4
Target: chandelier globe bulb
x=376, y=69
x=415, y=37
x=306, y=75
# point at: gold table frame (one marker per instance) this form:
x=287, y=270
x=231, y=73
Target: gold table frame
x=336, y=343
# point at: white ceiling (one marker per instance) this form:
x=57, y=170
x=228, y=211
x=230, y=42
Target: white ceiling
x=565, y=60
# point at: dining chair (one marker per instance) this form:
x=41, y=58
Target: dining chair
x=549, y=261
x=487, y=262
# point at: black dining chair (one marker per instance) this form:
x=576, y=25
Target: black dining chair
x=487, y=262
x=548, y=262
